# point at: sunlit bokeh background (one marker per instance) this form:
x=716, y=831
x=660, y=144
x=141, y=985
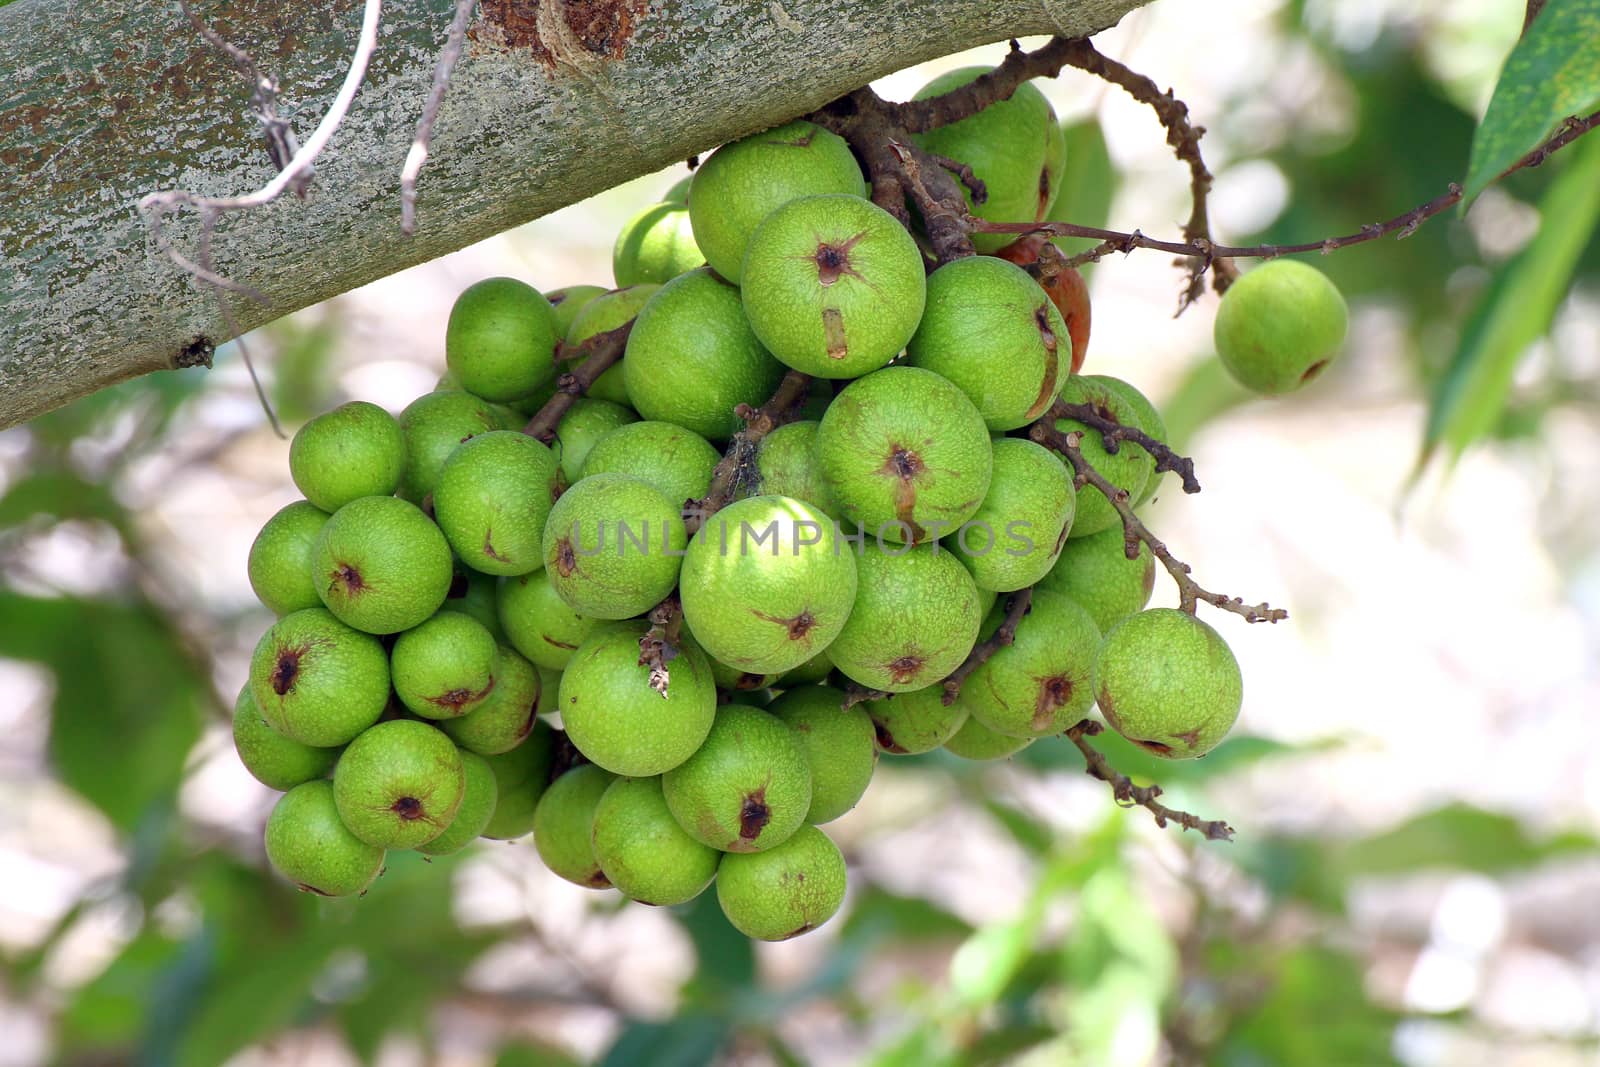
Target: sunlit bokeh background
x=1415, y=780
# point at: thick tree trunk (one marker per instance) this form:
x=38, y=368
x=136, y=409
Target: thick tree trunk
x=104, y=101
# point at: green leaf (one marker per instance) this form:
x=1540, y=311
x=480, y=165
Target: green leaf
x=1552, y=73
x=1517, y=309
x=1315, y=1014
x=691, y=1040
x=1462, y=837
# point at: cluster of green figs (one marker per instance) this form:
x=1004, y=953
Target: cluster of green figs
x=481, y=635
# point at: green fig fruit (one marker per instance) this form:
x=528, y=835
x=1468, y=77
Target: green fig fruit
x=1279, y=326
x=492, y=498
x=506, y=716
x=833, y=286
x=814, y=670
x=271, y=758
x=444, y=668
x=767, y=584
x=991, y=330
x=601, y=315
x=678, y=191
x=501, y=339
x=643, y=851
x=1097, y=573
x=783, y=892
x=355, y=450
x=538, y=623
x=907, y=724
x=1038, y=684
x=1129, y=468
x=787, y=464
x=693, y=359
x=1017, y=533
x=655, y=246
x=434, y=425
x=747, y=788
x=563, y=825
x=569, y=301
x=399, y=784
x=905, y=455
x=1168, y=682
x=916, y=617
x=585, y=425
x=318, y=681
x=614, y=716
x=311, y=847
x=743, y=182
x=976, y=741
x=674, y=460
x=520, y=776
x=474, y=594
x=380, y=565
x=613, y=546
x=840, y=746
x=478, y=797
x=1146, y=417
x=280, y=559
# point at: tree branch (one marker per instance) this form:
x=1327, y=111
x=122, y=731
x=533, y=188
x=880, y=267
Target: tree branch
x=1145, y=796
x=449, y=56
x=599, y=353
x=1113, y=433
x=1020, y=604
x=737, y=463
x=660, y=644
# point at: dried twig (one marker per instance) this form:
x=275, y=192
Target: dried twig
x=418, y=155
x=856, y=693
x=738, y=462
x=1113, y=433
x=659, y=645
x=1145, y=796
x=599, y=353
x=1019, y=605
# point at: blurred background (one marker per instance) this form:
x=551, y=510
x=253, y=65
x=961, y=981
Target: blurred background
x=1415, y=781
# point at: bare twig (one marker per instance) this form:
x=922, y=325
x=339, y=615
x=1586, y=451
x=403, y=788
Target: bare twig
x=1113, y=433
x=659, y=645
x=1020, y=603
x=920, y=116
x=1190, y=592
x=856, y=693
x=418, y=155
x=599, y=353
x=1145, y=796
x=738, y=462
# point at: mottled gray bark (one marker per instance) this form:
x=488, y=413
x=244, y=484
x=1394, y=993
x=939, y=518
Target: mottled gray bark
x=103, y=101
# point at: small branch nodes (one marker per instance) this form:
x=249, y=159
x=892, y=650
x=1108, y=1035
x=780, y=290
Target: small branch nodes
x=660, y=644
x=1144, y=796
x=737, y=468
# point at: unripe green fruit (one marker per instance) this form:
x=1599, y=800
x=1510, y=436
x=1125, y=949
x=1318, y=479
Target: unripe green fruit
x=563, y=825
x=1128, y=469
x=1146, y=417
x=786, y=891
x=538, y=623
x=915, y=722
x=280, y=559
x=586, y=424
x=601, y=315
x=355, y=450
x=492, y=499
x=905, y=455
x=507, y=715
x=1279, y=326
x=311, y=847
x=501, y=339
x=833, y=285
x=655, y=246
x=733, y=680
x=840, y=747
x=674, y=460
x=693, y=358
x=478, y=798
x=747, y=788
x=787, y=463
x=976, y=741
x=991, y=330
x=434, y=425
x=1010, y=145
x=399, y=784
x=271, y=758
x=743, y=182
x=474, y=594
x=767, y=584
x=1015, y=536
x=1038, y=684
x=678, y=191
x=569, y=301
x=380, y=565
x=1168, y=682
x=613, y=546
x=520, y=776
x=444, y=668
x=318, y=681
x=812, y=671
x=1097, y=573
x=617, y=720
x=915, y=618
x=643, y=851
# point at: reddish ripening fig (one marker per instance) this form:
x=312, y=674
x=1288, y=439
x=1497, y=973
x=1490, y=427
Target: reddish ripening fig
x=1067, y=291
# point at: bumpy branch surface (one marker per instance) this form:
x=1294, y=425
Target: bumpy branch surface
x=659, y=645
x=737, y=466
x=1019, y=605
x=1144, y=796
x=599, y=354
